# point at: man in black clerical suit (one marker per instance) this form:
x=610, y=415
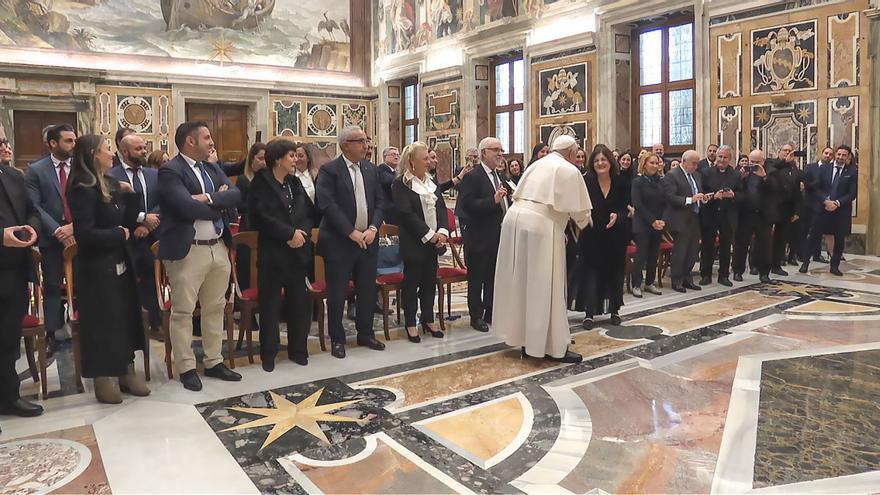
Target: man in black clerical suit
x=351, y=202
x=682, y=187
x=809, y=200
x=483, y=199
x=757, y=211
x=20, y=222
x=786, y=177
x=838, y=187
x=718, y=217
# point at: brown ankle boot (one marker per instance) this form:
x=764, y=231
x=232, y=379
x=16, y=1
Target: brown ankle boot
x=107, y=390
x=133, y=384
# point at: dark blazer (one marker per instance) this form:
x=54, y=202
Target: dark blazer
x=721, y=210
x=412, y=221
x=177, y=184
x=386, y=177
x=334, y=196
x=17, y=210
x=483, y=214
x=704, y=165
x=810, y=179
x=677, y=189
x=232, y=169
x=275, y=219
x=45, y=193
x=840, y=220
x=649, y=202
x=151, y=177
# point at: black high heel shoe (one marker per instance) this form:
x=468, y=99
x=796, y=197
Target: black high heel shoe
x=437, y=334
x=414, y=340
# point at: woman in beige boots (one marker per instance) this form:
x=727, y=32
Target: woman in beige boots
x=104, y=212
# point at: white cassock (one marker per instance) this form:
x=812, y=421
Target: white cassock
x=530, y=276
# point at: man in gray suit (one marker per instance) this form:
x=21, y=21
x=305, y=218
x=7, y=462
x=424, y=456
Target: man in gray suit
x=46, y=181
x=681, y=187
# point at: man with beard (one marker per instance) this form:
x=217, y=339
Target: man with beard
x=709, y=161
x=658, y=149
x=718, y=217
x=786, y=178
x=810, y=184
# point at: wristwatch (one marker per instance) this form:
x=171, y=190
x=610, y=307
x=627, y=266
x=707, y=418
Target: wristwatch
x=373, y=228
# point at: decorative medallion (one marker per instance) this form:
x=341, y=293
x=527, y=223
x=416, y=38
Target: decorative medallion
x=354, y=115
x=321, y=119
x=577, y=130
x=135, y=112
x=778, y=288
x=784, y=58
x=41, y=465
x=286, y=116
x=563, y=90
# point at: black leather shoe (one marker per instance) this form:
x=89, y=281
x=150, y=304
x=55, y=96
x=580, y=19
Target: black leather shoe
x=725, y=281
x=705, y=280
x=615, y=320
x=22, y=408
x=804, y=268
x=570, y=357
x=300, y=360
x=753, y=271
x=836, y=271
x=779, y=271
x=765, y=279
x=690, y=285
x=587, y=323
x=738, y=277
x=678, y=288
x=191, y=381
x=820, y=259
x=371, y=342
x=337, y=350
x=479, y=325
x=268, y=363
x=222, y=372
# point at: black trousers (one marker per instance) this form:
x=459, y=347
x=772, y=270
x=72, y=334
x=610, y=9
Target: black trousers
x=419, y=288
x=814, y=241
x=481, y=283
x=751, y=224
x=783, y=233
x=685, y=249
x=270, y=282
x=146, y=281
x=13, y=305
x=361, y=269
x=724, y=232
x=647, y=249
x=806, y=251
x=52, y=269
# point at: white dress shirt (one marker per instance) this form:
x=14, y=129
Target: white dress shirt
x=55, y=163
x=307, y=182
x=426, y=191
x=361, y=221
x=205, y=230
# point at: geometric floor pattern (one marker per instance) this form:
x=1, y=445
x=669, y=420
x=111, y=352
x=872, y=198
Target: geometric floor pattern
x=759, y=388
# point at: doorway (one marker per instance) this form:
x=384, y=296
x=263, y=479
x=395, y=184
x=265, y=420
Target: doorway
x=28, y=131
x=228, y=125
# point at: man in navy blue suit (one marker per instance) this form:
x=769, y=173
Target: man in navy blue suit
x=810, y=181
x=46, y=181
x=120, y=135
x=193, y=243
x=351, y=202
x=837, y=188
x=132, y=168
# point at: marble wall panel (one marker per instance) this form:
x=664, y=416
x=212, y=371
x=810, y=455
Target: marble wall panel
x=482, y=97
x=730, y=127
x=146, y=110
x=285, y=117
x=843, y=121
x=448, y=148
x=843, y=50
x=442, y=108
x=623, y=72
x=776, y=125
x=784, y=58
x=730, y=65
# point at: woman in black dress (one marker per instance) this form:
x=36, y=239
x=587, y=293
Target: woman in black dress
x=602, y=245
x=104, y=211
x=282, y=215
x=648, y=201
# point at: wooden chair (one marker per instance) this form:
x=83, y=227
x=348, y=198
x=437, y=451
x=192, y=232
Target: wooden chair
x=33, y=329
x=630, y=252
x=664, y=257
x=68, y=255
x=246, y=300
x=388, y=283
x=446, y=276
x=317, y=290
x=454, y=235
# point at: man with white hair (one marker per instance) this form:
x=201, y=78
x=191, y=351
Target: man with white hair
x=682, y=186
x=530, y=274
x=483, y=200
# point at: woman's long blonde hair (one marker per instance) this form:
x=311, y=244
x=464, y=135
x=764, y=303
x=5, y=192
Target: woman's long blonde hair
x=404, y=168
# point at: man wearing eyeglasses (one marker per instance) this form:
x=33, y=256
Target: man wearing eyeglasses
x=484, y=201
x=351, y=201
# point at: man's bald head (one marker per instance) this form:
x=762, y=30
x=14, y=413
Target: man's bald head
x=134, y=151
x=689, y=161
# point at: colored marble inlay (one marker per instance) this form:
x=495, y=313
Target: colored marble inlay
x=832, y=307
x=818, y=418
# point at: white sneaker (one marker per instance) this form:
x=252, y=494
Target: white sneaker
x=652, y=289
x=637, y=292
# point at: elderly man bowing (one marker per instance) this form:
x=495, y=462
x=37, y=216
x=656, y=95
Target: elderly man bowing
x=530, y=274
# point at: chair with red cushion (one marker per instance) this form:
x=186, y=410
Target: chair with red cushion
x=630, y=252
x=68, y=255
x=388, y=283
x=246, y=300
x=32, y=329
x=664, y=258
x=446, y=276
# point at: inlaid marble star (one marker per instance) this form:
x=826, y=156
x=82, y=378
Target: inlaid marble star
x=286, y=416
x=804, y=290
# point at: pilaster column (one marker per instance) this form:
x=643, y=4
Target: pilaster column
x=606, y=82
x=872, y=167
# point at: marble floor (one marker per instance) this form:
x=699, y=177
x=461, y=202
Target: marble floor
x=759, y=388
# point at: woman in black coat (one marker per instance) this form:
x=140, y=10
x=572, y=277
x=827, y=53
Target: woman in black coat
x=281, y=214
x=424, y=231
x=104, y=211
x=648, y=201
x=602, y=245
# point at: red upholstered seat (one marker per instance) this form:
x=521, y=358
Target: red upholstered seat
x=249, y=294
x=30, y=321
x=665, y=246
x=449, y=272
x=630, y=250
x=390, y=279
x=166, y=306
x=321, y=286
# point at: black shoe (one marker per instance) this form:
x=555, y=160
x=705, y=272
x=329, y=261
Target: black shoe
x=836, y=271
x=414, y=339
x=820, y=259
x=587, y=323
x=779, y=271
x=570, y=357
x=437, y=334
x=479, y=325
x=371, y=342
x=191, y=380
x=705, y=280
x=615, y=319
x=804, y=268
x=765, y=279
x=22, y=408
x=792, y=262
x=300, y=360
x=222, y=372
x=678, y=288
x=337, y=350
x=268, y=363
x=738, y=277
x=725, y=281
x=753, y=271
x=690, y=285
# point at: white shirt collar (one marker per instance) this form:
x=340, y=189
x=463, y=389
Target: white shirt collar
x=488, y=170
x=189, y=161
x=348, y=163
x=56, y=161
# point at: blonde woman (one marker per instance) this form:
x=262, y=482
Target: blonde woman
x=648, y=201
x=423, y=234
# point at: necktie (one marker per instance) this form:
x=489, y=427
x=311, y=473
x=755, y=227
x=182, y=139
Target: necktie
x=497, y=181
x=696, y=205
x=834, y=179
x=138, y=186
x=62, y=180
x=209, y=188
x=360, y=199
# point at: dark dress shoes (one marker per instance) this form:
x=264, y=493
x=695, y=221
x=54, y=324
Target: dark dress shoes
x=337, y=350
x=224, y=373
x=570, y=357
x=300, y=360
x=804, y=268
x=371, y=342
x=22, y=408
x=738, y=277
x=705, y=280
x=690, y=285
x=836, y=271
x=678, y=288
x=753, y=271
x=615, y=320
x=479, y=325
x=191, y=380
x=820, y=259
x=765, y=279
x=725, y=281
x=587, y=323
x=268, y=363
x=779, y=271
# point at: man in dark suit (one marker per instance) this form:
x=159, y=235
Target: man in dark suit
x=120, y=135
x=484, y=202
x=709, y=161
x=809, y=200
x=718, y=217
x=193, y=243
x=387, y=173
x=681, y=187
x=145, y=181
x=351, y=202
x=658, y=149
x=757, y=210
x=46, y=181
x=20, y=222
x=786, y=178
x=838, y=187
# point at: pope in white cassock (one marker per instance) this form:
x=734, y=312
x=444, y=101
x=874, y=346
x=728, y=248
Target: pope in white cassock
x=530, y=276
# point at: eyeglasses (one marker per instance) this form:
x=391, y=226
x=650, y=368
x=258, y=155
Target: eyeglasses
x=496, y=150
x=362, y=141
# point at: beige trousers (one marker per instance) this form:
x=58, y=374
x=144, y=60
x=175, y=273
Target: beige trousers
x=203, y=277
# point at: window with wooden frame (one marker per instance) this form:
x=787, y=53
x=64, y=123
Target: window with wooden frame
x=410, y=109
x=663, y=85
x=507, y=87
